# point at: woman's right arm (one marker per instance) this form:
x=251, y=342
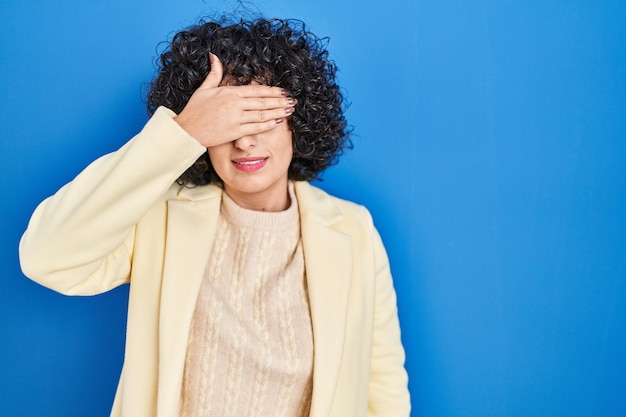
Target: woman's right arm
x=80, y=240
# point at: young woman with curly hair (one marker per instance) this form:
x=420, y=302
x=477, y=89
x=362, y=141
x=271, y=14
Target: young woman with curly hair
x=252, y=292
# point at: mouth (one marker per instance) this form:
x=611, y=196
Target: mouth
x=250, y=164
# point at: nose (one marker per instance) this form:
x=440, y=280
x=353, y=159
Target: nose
x=245, y=143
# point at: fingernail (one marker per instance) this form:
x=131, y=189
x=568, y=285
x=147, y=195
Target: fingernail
x=289, y=110
x=284, y=92
x=292, y=101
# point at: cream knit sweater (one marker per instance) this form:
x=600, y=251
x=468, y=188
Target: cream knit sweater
x=250, y=350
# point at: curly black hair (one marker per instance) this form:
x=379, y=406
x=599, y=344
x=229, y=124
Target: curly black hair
x=274, y=52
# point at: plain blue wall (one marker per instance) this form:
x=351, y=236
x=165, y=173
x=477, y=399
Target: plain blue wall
x=490, y=145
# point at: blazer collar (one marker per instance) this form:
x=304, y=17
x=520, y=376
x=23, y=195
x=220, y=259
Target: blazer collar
x=313, y=202
x=317, y=204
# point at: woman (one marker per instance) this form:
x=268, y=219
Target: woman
x=251, y=291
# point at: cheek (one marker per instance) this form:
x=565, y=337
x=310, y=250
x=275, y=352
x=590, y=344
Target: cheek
x=286, y=144
x=288, y=149
x=218, y=156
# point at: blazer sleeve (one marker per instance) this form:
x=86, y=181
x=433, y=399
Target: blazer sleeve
x=388, y=386
x=80, y=240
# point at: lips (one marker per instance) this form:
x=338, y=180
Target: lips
x=249, y=164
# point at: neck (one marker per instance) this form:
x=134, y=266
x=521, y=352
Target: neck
x=272, y=202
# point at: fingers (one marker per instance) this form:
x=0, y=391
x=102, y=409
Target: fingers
x=259, y=127
x=266, y=103
x=259, y=116
x=214, y=78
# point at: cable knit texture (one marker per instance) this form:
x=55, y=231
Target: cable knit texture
x=250, y=350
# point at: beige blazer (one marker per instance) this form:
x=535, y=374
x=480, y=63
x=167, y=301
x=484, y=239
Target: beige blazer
x=121, y=221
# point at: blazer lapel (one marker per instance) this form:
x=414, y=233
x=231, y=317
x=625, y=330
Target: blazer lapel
x=192, y=220
x=328, y=263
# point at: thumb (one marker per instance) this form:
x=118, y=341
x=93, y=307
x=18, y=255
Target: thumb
x=215, y=74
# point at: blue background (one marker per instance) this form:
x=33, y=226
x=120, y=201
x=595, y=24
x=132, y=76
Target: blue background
x=490, y=146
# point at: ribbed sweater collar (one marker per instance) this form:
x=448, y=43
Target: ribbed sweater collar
x=261, y=220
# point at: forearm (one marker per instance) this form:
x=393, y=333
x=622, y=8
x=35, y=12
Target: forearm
x=79, y=241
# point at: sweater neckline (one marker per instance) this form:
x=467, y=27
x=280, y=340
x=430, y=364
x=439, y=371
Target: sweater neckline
x=262, y=220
